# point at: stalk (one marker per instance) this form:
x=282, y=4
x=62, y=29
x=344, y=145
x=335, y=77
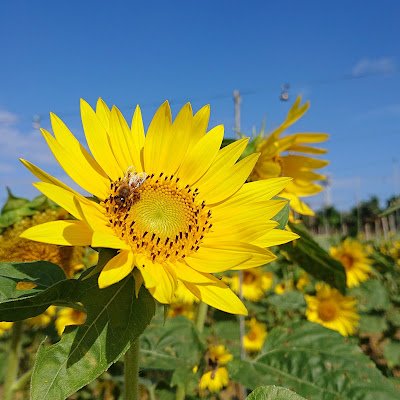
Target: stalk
x=131, y=371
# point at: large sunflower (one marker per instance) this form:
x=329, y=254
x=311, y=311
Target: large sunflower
x=284, y=156
x=173, y=204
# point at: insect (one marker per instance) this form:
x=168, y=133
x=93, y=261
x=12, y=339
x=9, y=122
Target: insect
x=126, y=193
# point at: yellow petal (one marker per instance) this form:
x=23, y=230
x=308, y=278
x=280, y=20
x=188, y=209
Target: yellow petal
x=158, y=139
x=103, y=113
x=201, y=155
x=138, y=139
x=108, y=240
x=275, y=237
x=308, y=149
x=228, y=180
x=220, y=297
x=44, y=176
x=116, y=269
x=200, y=123
x=166, y=283
x=97, y=139
x=65, y=233
x=310, y=137
x=297, y=205
x=86, y=177
x=185, y=273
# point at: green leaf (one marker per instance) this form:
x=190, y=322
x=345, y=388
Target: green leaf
x=51, y=287
x=273, y=393
x=371, y=295
x=283, y=216
x=115, y=318
x=288, y=301
x=173, y=346
x=372, y=324
x=13, y=202
x=310, y=256
x=11, y=217
x=391, y=351
x=316, y=363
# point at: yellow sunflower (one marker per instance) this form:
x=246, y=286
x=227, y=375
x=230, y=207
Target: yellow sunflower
x=284, y=156
x=254, y=339
x=332, y=310
x=173, y=204
x=182, y=303
x=255, y=283
x=283, y=287
x=42, y=320
x=354, y=259
x=217, y=377
x=69, y=316
x=5, y=327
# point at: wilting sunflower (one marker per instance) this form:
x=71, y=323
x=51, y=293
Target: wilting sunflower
x=69, y=316
x=284, y=156
x=15, y=248
x=255, y=283
x=217, y=377
x=254, y=339
x=354, y=259
x=173, y=204
x=332, y=310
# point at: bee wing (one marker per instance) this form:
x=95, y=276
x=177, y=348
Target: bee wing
x=137, y=179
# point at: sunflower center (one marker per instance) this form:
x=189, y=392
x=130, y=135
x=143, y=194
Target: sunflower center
x=248, y=277
x=347, y=261
x=327, y=311
x=158, y=217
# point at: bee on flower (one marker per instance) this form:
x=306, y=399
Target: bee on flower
x=217, y=376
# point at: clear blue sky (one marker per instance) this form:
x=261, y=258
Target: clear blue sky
x=343, y=56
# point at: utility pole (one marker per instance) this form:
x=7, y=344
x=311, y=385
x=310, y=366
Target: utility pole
x=237, y=100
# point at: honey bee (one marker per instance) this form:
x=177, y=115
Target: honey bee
x=126, y=193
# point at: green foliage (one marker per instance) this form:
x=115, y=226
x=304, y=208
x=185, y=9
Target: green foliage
x=391, y=351
x=283, y=216
x=17, y=208
x=52, y=288
x=115, y=318
x=310, y=256
x=316, y=363
x=174, y=346
x=372, y=296
x=273, y=393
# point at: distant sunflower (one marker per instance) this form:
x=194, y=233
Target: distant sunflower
x=183, y=303
x=254, y=339
x=14, y=248
x=332, y=310
x=283, y=287
x=69, y=316
x=217, y=377
x=354, y=259
x=173, y=204
x=255, y=283
x=42, y=320
x=5, y=327
x=284, y=156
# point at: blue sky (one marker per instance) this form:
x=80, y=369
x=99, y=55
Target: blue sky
x=342, y=56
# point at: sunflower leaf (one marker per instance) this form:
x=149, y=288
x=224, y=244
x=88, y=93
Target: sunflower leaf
x=316, y=363
x=273, y=393
x=310, y=256
x=283, y=216
x=48, y=286
x=115, y=318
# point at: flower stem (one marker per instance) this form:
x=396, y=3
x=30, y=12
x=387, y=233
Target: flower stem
x=131, y=371
x=201, y=316
x=13, y=360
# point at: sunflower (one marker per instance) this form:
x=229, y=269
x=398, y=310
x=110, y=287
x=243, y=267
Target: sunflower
x=283, y=287
x=217, y=377
x=42, y=320
x=332, y=310
x=354, y=259
x=255, y=283
x=69, y=316
x=5, y=327
x=284, y=156
x=254, y=339
x=182, y=303
x=15, y=248
x=173, y=204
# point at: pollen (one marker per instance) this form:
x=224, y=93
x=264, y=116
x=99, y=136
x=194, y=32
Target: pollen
x=159, y=218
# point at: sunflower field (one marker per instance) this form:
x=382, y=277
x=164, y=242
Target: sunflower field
x=179, y=266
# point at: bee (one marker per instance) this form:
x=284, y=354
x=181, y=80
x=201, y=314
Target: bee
x=126, y=193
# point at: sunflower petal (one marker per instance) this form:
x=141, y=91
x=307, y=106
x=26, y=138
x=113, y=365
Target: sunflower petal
x=220, y=297
x=64, y=233
x=116, y=269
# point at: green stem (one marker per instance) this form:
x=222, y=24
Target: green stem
x=131, y=371
x=201, y=316
x=22, y=381
x=13, y=360
x=180, y=392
